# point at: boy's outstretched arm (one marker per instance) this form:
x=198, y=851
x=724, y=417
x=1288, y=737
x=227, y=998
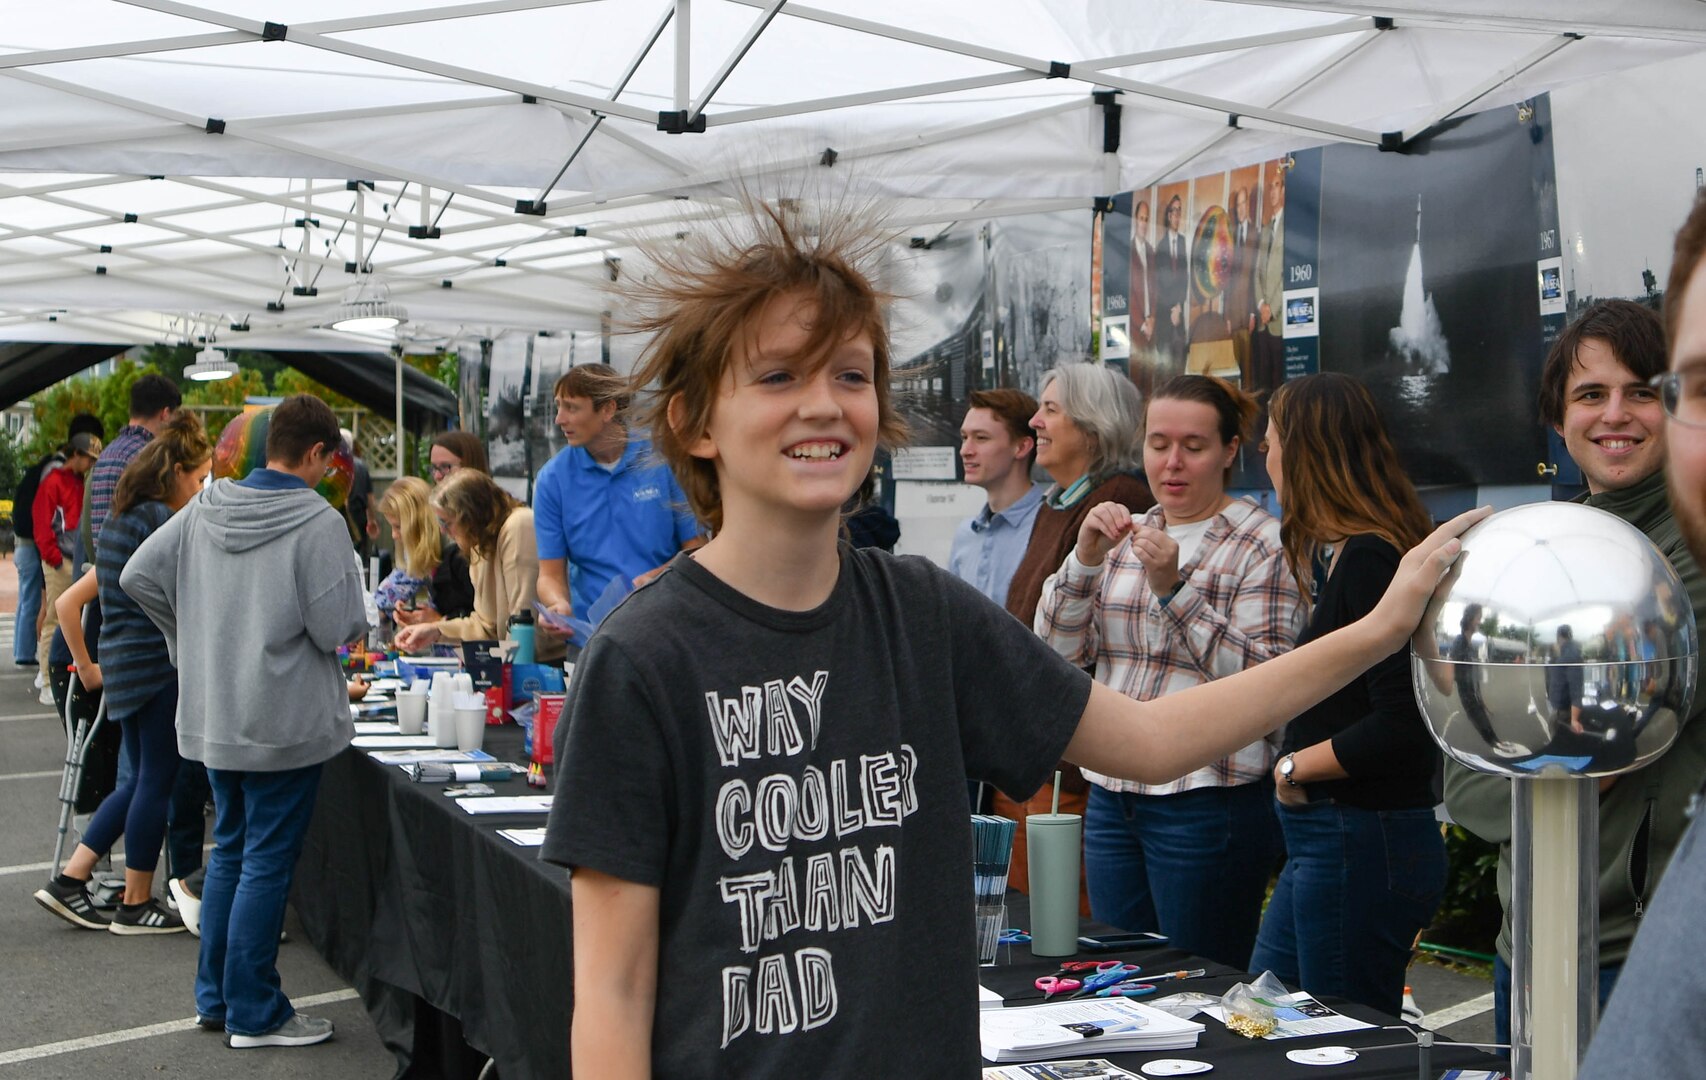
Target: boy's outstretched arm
x=1154, y=742
x=616, y=967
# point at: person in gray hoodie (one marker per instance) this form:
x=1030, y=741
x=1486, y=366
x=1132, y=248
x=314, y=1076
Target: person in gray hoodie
x=254, y=587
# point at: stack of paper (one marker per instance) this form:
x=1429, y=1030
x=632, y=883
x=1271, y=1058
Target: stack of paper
x=1070, y=1028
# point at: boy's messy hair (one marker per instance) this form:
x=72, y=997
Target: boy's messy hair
x=701, y=296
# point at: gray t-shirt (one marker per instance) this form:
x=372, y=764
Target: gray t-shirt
x=795, y=784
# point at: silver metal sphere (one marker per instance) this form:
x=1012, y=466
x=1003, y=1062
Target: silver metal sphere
x=1560, y=644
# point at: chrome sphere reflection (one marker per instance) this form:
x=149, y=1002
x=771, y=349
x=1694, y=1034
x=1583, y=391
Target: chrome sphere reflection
x=1560, y=644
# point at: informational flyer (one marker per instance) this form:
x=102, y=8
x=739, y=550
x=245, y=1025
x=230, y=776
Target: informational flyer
x=1299, y=1014
x=1087, y=1069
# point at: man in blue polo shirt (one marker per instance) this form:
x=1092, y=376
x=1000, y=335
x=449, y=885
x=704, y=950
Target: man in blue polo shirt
x=997, y=449
x=603, y=508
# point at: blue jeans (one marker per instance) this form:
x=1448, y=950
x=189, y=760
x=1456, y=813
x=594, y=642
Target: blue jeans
x=260, y=819
x=1357, y=888
x=1192, y=866
x=137, y=807
x=1502, y=995
x=30, y=584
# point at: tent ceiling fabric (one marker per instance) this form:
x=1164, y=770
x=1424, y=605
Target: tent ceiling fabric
x=165, y=159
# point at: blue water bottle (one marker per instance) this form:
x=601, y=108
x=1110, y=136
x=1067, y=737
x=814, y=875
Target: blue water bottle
x=521, y=629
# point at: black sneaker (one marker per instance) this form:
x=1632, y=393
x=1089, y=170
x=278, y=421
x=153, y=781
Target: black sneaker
x=150, y=917
x=210, y=1023
x=72, y=903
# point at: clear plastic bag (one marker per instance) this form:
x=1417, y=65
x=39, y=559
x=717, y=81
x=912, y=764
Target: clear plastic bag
x=1247, y=1010
x=1185, y=1005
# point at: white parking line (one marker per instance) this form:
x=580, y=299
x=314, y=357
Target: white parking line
x=30, y=716
x=32, y=775
x=90, y=1042
x=1454, y=1014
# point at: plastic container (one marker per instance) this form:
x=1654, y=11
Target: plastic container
x=521, y=631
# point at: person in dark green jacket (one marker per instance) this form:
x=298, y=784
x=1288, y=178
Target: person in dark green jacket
x=1595, y=392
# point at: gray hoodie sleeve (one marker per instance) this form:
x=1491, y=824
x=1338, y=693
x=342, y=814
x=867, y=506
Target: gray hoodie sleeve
x=151, y=579
x=337, y=615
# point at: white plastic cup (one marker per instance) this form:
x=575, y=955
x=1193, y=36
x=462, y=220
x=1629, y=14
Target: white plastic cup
x=470, y=728
x=411, y=711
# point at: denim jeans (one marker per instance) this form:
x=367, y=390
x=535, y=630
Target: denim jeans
x=1357, y=888
x=1502, y=995
x=260, y=820
x=30, y=584
x=1192, y=866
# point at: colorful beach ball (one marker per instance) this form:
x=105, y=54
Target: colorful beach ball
x=242, y=448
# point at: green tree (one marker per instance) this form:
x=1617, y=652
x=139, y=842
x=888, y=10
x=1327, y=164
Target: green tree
x=290, y=381
x=53, y=410
x=11, y=464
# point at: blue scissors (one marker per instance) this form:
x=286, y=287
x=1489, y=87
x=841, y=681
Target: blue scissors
x=1108, y=973
x=1127, y=990
x=1013, y=936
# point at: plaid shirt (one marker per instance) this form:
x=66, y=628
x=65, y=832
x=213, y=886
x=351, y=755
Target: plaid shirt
x=1239, y=606
x=103, y=478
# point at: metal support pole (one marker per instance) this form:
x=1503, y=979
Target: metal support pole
x=1554, y=925
x=683, y=54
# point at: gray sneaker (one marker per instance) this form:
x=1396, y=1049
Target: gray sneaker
x=299, y=1030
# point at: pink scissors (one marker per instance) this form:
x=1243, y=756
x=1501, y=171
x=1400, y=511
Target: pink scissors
x=1051, y=985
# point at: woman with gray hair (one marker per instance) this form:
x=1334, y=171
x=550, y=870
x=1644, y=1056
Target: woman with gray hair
x=1089, y=441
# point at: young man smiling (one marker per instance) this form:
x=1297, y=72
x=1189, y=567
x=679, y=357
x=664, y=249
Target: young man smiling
x=1596, y=391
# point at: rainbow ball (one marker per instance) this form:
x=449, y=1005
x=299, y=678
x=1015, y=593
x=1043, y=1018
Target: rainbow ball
x=242, y=448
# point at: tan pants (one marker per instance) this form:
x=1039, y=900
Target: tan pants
x=55, y=582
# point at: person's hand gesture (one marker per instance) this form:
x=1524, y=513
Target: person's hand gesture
x=1105, y=526
x=414, y=616
x=414, y=639
x=89, y=675
x=1419, y=574
x=1159, y=554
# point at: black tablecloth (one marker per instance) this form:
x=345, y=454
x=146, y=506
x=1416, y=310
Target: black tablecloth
x=459, y=941
x=448, y=931
x=1231, y=1055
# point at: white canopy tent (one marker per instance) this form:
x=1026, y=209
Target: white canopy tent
x=167, y=165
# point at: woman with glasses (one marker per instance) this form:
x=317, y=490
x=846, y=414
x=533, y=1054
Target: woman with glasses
x=431, y=579
x=496, y=532
x=1365, y=861
x=452, y=450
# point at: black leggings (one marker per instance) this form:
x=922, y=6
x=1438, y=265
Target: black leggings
x=138, y=808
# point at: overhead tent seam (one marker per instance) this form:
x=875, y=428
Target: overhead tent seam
x=604, y=177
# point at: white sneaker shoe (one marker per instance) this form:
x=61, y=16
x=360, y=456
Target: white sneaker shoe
x=299, y=1030
x=189, y=905
x=46, y=697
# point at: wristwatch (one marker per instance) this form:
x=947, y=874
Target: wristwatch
x=1287, y=765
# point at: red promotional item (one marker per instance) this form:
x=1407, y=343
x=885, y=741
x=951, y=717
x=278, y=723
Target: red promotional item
x=497, y=710
x=548, y=709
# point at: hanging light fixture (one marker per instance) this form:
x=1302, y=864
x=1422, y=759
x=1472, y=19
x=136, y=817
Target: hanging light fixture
x=210, y=366
x=367, y=309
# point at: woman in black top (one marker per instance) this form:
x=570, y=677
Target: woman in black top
x=1365, y=861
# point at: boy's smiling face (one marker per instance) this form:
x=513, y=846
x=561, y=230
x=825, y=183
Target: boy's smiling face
x=792, y=436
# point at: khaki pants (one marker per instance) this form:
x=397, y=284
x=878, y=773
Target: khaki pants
x=55, y=580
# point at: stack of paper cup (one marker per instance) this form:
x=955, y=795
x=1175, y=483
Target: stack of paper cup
x=411, y=711
x=441, y=709
x=470, y=721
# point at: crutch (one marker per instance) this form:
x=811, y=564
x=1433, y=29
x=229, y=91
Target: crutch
x=79, y=735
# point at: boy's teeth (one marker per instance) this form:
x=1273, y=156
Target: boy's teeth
x=819, y=451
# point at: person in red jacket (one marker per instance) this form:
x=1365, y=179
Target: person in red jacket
x=55, y=513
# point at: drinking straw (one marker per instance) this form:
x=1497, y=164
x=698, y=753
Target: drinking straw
x=1054, y=807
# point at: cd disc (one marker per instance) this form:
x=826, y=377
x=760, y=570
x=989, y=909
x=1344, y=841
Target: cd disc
x=1323, y=1055
x=1174, y=1067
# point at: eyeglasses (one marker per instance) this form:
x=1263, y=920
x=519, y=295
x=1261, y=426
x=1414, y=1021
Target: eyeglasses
x=442, y=469
x=1684, y=395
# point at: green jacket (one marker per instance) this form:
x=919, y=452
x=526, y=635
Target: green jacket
x=1641, y=818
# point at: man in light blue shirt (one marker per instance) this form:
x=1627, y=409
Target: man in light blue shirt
x=997, y=449
x=603, y=508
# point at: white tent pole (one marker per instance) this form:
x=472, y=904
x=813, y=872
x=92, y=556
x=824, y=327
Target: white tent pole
x=668, y=161
x=1455, y=105
x=734, y=58
x=1296, y=86
x=490, y=219
x=1210, y=48
x=62, y=138
x=1276, y=118
x=598, y=120
x=425, y=15
x=683, y=53
x=896, y=33
x=872, y=97
x=401, y=441
x=1470, y=15
x=39, y=57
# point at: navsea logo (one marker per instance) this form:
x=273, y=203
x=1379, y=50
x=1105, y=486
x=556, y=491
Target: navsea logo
x=649, y=493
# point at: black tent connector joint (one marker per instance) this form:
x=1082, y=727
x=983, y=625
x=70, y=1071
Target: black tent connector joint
x=1103, y=204
x=100, y=270
x=529, y=99
x=500, y=262
x=305, y=290
x=274, y=31
x=528, y=206
x=1391, y=142
x=215, y=127
x=1384, y=22
x=130, y=219
x=1059, y=69
x=424, y=232
x=446, y=283
x=1232, y=119
x=275, y=305
x=305, y=222
x=674, y=122
x=828, y=157
x=578, y=230
x=239, y=328
x=351, y=185
x=106, y=249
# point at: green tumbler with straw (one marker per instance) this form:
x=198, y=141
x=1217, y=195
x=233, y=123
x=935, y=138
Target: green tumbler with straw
x=1053, y=841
